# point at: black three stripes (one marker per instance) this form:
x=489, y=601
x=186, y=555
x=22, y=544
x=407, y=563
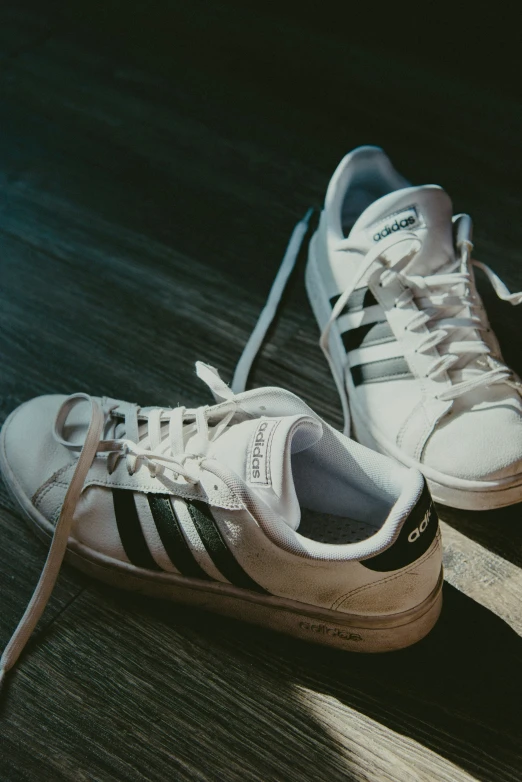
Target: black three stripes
x=377, y=333
x=131, y=533
x=359, y=300
x=214, y=543
x=174, y=540
x=369, y=334
x=172, y=537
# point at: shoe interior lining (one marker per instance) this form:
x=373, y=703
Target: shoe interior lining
x=341, y=496
x=367, y=184
x=336, y=477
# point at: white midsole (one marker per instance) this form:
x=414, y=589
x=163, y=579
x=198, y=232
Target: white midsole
x=446, y=489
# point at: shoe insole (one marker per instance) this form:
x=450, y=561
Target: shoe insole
x=328, y=528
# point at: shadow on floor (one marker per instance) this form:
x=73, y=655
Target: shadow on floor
x=131, y=689
x=457, y=692
x=498, y=530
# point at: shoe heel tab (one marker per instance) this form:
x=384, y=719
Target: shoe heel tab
x=415, y=535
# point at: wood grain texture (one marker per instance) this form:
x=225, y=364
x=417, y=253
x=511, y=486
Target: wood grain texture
x=152, y=165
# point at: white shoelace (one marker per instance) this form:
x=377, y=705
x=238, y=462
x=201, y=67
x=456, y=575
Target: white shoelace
x=157, y=453
x=434, y=295
x=253, y=346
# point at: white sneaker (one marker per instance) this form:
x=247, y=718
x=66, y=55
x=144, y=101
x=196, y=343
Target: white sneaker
x=253, y=508
x=391, y=283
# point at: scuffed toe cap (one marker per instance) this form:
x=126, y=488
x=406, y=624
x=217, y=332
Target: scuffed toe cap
x=482, y=443
x=29, y=454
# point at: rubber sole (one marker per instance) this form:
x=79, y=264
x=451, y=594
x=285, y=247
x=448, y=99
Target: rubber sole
x=350, y=632
x=445, y=489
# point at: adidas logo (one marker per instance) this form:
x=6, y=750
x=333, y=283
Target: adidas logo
x=404, y=220
x=333, y=631
x=395, y=226
x=258, y=451
x=258, y=460
x=417, y=532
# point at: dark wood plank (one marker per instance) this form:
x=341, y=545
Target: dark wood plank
x=21, y=559
x=21, y=29
x=151, y=686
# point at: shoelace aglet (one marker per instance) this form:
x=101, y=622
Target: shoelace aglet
x=463, y=232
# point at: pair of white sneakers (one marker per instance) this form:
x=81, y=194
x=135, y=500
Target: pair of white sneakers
x=255, y=507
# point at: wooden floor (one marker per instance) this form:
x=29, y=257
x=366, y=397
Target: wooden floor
x=150, y=175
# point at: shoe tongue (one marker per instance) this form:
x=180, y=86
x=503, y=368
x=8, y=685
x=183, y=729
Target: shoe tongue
x=425, y=211
x=260, y=452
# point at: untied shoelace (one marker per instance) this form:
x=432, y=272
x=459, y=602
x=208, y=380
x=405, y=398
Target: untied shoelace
x=158, y=455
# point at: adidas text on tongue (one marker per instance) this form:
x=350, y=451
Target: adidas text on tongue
x=407, y=219
x=258, y=458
